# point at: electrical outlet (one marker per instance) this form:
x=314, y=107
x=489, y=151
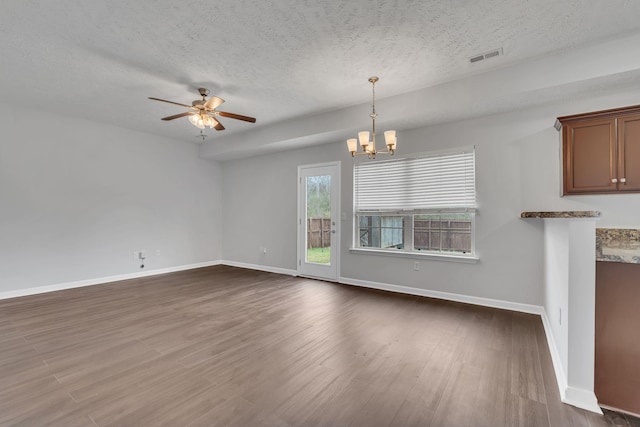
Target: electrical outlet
x=416, y=265
x=157, y=252
x=264, y=250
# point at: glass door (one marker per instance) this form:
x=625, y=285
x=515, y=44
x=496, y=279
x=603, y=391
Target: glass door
x=318, y=227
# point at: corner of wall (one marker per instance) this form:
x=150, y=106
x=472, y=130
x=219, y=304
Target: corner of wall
x=561, y=377
x=581, y=398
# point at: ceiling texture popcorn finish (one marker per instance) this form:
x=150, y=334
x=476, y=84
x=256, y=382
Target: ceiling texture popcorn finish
x=309, y=60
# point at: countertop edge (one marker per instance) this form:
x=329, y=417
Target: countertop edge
x=561, y=214
x=620, y=245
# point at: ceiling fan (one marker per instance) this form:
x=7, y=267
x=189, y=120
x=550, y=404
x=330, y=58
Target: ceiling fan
x=203, y=111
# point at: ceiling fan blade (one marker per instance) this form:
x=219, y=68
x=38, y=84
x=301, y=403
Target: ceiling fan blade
x=177, y=116
x=234, y=116
x=171, y=102
x=218, y=125
x=215, y=124
x=213, y=103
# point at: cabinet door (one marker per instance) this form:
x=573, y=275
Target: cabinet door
x=617, y=347
x=589, y=150
x=629, y=153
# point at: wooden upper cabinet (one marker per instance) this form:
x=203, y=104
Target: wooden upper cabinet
x=601, y=151
x=629, y=156
x=589, y=152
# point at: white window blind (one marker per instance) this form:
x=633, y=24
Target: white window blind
x=430, y=181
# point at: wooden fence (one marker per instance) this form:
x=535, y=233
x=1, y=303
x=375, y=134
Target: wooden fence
x=442, y=234
x=318, y=233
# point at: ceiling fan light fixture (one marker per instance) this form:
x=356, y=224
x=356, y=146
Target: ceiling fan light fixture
x=369, y=146
x=197, y=121
x=202, y=120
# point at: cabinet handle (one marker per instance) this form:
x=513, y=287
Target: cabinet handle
x=614, y=180
x=623, y=180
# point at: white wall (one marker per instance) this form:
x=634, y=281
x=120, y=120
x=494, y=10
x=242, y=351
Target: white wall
x=77, y=198
x=518, y=164
x=570, y=289
x=556, y=295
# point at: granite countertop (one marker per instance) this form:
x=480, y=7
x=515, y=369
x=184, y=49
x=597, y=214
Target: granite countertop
x=612, y=244
x=618, y=245
x=561, y=214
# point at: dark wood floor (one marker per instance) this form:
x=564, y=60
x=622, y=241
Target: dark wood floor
x=223, y=346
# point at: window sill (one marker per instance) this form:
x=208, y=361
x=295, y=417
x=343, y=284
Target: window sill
x=468, y=259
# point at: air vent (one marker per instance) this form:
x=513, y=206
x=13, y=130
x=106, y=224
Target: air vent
x=486, y=55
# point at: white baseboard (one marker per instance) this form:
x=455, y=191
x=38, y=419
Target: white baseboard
x=561, y=377
x=582, y=398
x=486, y=302
x=100, y=280
x=266, y=268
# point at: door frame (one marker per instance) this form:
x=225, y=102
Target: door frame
x=336, y=213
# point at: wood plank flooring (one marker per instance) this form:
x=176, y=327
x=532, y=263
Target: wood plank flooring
x=224, y=346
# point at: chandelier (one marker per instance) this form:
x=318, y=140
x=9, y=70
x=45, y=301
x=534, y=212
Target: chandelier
x=369, y=146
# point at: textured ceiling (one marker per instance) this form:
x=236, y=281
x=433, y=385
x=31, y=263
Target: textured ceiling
x=273, y=59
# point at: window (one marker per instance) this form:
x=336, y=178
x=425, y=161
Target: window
x=423, y=204
x=381, y=231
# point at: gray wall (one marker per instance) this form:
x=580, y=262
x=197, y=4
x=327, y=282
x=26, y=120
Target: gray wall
x=518, y=169
x=77, y=198
x=260, y=205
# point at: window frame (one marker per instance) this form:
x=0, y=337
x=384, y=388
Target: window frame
x=409, y=215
